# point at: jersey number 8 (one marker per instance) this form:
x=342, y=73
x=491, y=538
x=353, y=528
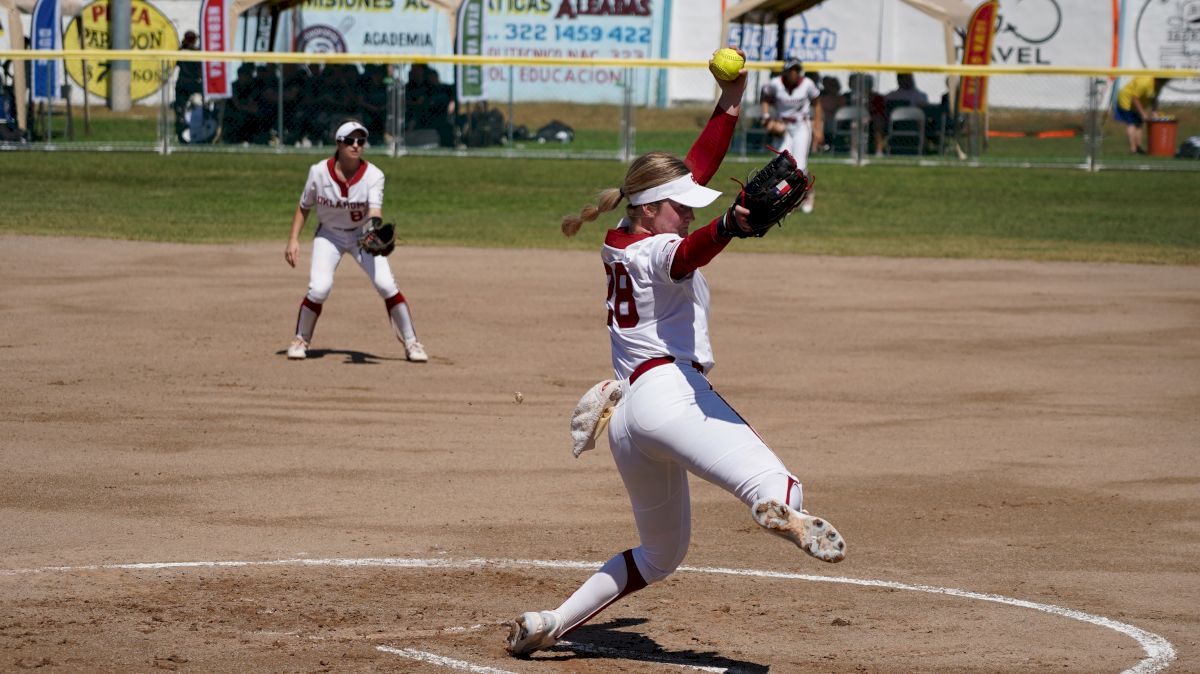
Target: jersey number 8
x=621, y=304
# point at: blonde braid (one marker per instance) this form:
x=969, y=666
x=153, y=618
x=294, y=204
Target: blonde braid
x=649, y=170
x=606, y=201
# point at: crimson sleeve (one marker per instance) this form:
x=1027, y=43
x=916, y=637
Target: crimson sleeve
x=709, y=149
x=697, y=250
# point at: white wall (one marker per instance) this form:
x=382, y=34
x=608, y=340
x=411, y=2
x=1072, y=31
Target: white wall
x=695, y=33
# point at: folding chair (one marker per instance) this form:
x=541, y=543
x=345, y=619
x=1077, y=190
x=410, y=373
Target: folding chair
x=906, y=131
x=847, y=123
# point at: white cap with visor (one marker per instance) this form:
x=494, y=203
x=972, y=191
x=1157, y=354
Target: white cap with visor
x=683, y=190
x=344, y=131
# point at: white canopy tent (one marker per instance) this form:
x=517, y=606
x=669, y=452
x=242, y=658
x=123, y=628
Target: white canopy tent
x=952, y=13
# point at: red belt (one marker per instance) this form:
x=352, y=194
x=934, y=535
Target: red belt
x=648, y=365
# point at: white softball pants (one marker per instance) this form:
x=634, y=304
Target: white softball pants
x=670, y=423
x=797, y=139
x=329, y=245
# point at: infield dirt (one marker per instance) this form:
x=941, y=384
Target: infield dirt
x=1024, y=429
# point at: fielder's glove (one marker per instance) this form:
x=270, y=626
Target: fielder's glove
x=772, y=192
x=377, y=238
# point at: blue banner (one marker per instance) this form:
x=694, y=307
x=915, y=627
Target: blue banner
x=46, y=33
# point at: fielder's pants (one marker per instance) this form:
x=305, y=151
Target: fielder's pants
x=797, y=139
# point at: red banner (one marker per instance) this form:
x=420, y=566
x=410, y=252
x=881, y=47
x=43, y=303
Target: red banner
x=216, y=34
x=977, y=51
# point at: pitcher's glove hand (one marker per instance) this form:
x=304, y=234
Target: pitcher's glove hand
x=377, y=238
x=773, y=192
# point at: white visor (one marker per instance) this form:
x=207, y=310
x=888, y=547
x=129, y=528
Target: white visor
x=348, y=128
x=683, y=191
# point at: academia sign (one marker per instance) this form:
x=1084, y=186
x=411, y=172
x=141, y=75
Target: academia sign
x=367, y=27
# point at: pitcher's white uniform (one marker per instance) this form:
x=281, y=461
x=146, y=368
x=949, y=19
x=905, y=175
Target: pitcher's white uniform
x=794, y=107
x=670, y=421
x=642, y=322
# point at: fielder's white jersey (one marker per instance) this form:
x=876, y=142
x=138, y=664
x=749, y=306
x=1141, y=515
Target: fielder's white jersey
x=651, y=315
x=795, y=104
x=342, y=205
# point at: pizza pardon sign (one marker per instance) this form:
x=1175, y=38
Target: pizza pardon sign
x=151, y=31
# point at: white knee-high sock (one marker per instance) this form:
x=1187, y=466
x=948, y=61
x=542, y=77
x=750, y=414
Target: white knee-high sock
x=306, y=320
x=618, y=577
x=400, y=317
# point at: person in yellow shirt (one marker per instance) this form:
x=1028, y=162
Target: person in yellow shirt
x=1132, y=102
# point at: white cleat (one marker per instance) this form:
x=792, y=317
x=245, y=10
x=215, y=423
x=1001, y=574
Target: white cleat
x=298, y=349
x=811, y=534
x=416, y=352
x=533, y=631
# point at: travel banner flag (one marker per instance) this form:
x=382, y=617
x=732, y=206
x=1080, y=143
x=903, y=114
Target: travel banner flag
x=216, y=34
x=977, y=51
x=470, y=43
x=46, y=33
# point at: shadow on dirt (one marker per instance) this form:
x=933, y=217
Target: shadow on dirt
x=352, y=357
x=610, y=641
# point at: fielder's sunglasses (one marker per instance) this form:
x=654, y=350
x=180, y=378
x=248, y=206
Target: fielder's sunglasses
x=355, y=141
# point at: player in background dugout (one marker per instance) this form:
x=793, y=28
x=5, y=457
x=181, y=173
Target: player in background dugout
x=1133, y=99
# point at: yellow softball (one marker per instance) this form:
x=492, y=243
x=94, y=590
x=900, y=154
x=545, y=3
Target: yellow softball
x=726, y=63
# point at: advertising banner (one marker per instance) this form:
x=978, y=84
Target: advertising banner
x=151, y=31
x=977, y=51
x=366, y=27
x=469, y=78
x=814, y=35
x=46, y=33
x=581, y=29
x=1048, y=33
x=216, y=34
x=1026, y=32
x=1163, y=34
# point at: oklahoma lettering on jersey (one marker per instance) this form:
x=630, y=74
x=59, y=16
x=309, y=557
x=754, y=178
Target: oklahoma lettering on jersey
x=794, y=104
x=339, y=204
x=651, y=315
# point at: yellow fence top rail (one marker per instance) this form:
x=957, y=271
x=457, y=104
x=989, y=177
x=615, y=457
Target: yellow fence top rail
x=305, y=57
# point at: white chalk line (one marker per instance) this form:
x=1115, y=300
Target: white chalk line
x=441, y=660
x=352, y=635
x=1159, y=652
x=630, y=655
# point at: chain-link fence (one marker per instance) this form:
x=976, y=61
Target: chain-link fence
x=860, y=117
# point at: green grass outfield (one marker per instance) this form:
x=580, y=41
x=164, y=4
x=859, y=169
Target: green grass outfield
x=1148, y=217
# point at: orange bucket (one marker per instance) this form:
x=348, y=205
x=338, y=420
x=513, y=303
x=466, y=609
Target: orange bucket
x=1164, y=133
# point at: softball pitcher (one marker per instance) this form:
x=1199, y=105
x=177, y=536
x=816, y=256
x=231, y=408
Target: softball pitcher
x=346, y=190
x=792, y=95
x=669, y=421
